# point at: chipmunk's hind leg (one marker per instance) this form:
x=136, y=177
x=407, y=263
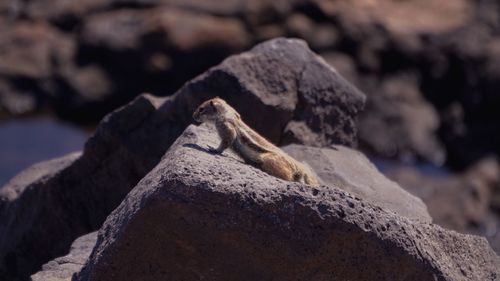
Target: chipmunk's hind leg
x=305, y=179
x=298, y=177
x=310, y=180
x=276, y=166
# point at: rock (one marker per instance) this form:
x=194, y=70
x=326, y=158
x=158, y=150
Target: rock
x=261, y=83
x=8, y=9
x=199, y=215
x=25, y=50
x=443, y=195
x=126, y=47
x=450, y=47
x=201, y=31
x=80, y=81
x=351, y=171
x=117, y=30
x=14, y=101
x=63, y=268
x=40, y=217
x=319, y=36
x=129, y=29
x=38, y=69
x=291, y=85
x=22, y=207
x=468, y=113
x=428, y=16
x=462, y=202
x=61, y=11
x=116, y=42
x=344, y=64
x=132, y=46
x=37, y=173
x=400, y=123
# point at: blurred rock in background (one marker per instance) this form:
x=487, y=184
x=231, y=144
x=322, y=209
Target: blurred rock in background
x=430, y=69
x=467, y=202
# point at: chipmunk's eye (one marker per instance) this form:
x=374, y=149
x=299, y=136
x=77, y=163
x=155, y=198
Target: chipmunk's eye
x=202, y=109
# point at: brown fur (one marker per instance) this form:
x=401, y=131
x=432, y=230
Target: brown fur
x=252, y=147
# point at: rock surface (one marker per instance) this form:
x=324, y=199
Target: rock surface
x=63, y=268
x=24, y=202
x=465, y=203
x=351, y=171
x=83, y=58
x=199, y=215
x=40, y=217
x=130, y=142
x=288, y=86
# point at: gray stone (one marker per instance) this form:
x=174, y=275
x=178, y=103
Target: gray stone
x=288, y=87
x=461, y=202
x=276, y=83
x=351, y=171
x=23, y=202
x=204, y=216
x=63, y=268
x=46, y=207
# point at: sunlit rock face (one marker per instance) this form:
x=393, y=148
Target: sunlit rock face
x=198, y=214
x=281, y=81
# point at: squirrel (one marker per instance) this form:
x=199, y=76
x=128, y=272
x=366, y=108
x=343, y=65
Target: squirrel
x=251, y=146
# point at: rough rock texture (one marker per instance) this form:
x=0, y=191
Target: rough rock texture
x=351, y=171
x=63, y=268
x=204, y=216
x=465, y=203
x=41, y=216
x=130, y=142
x=288, y=86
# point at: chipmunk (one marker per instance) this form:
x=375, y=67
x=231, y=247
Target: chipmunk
x=252, y=147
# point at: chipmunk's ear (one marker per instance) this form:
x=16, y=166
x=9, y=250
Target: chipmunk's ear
x=212, y=103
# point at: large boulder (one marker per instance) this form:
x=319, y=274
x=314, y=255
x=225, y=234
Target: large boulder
x=273, y=85
x=63, y=268
x=24, y=202
x=199, y=215
x=351, y=171
x=289, y=87
x=43, y=209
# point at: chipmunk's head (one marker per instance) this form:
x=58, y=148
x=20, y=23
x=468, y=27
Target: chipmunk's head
x=213, y=109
